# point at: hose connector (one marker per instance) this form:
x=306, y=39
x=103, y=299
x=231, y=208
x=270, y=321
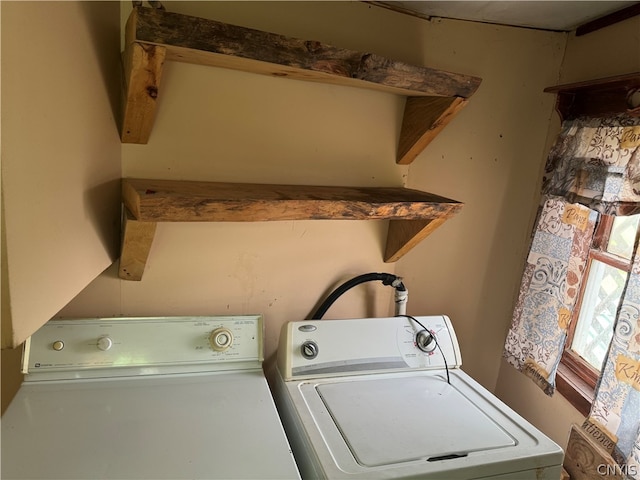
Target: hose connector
x=386, y=279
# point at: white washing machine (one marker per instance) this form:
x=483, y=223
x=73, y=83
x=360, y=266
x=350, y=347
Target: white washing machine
x=145, y=398
x=385, y=398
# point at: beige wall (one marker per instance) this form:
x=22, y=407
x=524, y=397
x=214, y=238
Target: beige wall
x=230, y=126
x=60, y=161
x=490, y=158
x=611, y=51
x=60, y=155
x=614, y=50
x=222, y=125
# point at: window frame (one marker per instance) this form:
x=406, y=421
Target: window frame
x=576, y=378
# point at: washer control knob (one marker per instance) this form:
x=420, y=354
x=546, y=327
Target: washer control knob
x=309, y=350
x=425, y=341
x=105, y=343
x=58, y=345
x=221, y=339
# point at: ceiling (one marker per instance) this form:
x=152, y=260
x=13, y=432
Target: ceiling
x=544, y=15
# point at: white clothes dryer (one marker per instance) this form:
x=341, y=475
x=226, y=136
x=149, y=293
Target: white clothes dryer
x=145, y=398
x=384, y=398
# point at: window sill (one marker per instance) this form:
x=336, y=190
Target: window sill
x=578, y=392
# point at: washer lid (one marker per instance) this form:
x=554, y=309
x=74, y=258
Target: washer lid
x=400, y=419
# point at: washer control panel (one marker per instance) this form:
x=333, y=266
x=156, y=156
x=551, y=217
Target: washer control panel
x=146, y=343
x=314, y=348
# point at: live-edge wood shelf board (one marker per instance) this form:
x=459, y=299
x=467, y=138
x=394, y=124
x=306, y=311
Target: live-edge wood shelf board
x=412, y=214
x=154, y=36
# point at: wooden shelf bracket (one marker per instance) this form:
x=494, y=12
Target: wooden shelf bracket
x=136, y=244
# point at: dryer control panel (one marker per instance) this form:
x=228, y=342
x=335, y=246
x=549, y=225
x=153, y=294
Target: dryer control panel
x=314, y=348
x=87, y=347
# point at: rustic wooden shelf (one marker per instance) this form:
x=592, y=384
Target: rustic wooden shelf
x=413, y=214
x=594, y=98
x=152, y=36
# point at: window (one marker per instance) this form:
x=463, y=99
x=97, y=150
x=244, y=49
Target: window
x=591, y=327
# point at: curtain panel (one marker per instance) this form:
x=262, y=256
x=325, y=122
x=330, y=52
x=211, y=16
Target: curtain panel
x=548, y=292
x=614, y=419
x=593, y=168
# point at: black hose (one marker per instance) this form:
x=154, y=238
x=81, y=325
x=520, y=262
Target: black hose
x=386, y=278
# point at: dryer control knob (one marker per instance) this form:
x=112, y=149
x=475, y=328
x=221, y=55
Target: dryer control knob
x=309, y=350
x=105, y=343
x=221, y=339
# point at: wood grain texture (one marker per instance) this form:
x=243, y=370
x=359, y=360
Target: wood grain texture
x=136, y=245
x=184, y=38
x=198, y=40
x=586, y=460
x=593, y=98
x=414, y=214
x=403, y=235
x=424, y=118
x=142, y=72
x=191, y=201
x=574, y=388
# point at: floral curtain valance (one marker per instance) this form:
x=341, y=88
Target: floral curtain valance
x=596, y=162
x=593, y=168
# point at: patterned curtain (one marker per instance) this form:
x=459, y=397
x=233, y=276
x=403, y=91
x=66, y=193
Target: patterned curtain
x=614, y=420
x=548, y=292
x=596, y=162
x=593, y=168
